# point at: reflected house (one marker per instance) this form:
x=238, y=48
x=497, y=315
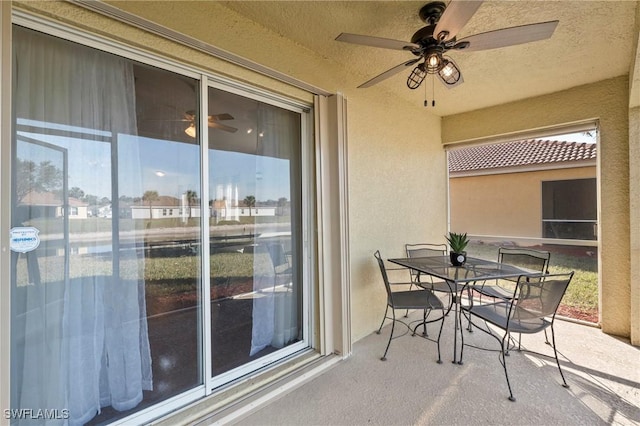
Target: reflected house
x=162, y=208
x=221, y=210
x=104, y=211
x=49, y=205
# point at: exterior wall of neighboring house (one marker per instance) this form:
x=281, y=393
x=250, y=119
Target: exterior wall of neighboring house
x=504, y=205
x=612, y=114
x=163, y=212
x=257, y=211
x=49, y=205
x=78, y=211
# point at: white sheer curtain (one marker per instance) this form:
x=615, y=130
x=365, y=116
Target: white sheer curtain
x=82, y=343
x=275, y=304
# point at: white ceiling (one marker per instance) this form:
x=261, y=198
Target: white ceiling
x=593, y=41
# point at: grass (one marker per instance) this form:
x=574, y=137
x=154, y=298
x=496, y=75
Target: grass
x=582, y=294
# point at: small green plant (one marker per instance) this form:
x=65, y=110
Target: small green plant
x=457, y=242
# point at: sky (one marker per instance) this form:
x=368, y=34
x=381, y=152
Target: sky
x=145, y=164
x=576, y=137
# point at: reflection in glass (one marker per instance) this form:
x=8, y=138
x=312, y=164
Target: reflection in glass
x=105, y=312
x=254, y=177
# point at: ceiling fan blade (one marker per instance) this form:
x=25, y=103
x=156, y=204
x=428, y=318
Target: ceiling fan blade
x=509, y=36
x=222, y=127
x=224, y=116
x=454, y=17
x=388, y=73
x=385, y=43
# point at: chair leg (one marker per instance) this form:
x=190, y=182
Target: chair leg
x=440, y=334
x=555, y=352
x=384, y=317
x=393, y=326
x=406, y=314
x=505, y=339
x=425, y=314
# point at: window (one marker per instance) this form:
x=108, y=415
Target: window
x=110, y=311
x=569, y=209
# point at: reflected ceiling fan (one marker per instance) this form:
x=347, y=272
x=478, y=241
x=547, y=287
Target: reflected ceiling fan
x=430, y=44
x=213, y=121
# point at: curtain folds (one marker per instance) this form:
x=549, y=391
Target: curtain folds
x=275, y=303
x=80, y=339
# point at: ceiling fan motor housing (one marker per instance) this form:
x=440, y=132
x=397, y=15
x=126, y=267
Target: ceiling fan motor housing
x=430, y=13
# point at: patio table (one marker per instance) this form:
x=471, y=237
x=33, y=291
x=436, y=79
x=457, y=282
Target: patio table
x=459, y=277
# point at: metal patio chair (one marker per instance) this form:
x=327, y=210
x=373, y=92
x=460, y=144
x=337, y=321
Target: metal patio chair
x=420, y=299
x=534, y=260
x=531, y=309
x=428, y=250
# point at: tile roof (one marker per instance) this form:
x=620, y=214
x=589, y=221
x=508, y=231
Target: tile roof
x=519, y=153
x=35, y=198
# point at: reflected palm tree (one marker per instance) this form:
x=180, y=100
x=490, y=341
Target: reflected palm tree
x=192, y=197
x=150, y=197
x=250, y=201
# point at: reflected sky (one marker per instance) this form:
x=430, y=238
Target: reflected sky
x=168, y=167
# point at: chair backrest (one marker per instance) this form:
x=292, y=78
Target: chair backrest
x=535, y=260
x=383, y=271
x=537, y=299
x=424, y=250
x=277, y=254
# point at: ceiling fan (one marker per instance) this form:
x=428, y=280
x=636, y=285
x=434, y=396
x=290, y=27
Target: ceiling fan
x=430, y=43
x=213, y=121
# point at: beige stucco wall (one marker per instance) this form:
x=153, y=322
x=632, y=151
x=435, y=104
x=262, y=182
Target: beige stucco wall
x=607, y=101
x=505, y=205
x=634, y=190
x=397, y=167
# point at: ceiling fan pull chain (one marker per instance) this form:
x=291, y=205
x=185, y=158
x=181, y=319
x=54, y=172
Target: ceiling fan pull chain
x=426, y=103
x=433, y=91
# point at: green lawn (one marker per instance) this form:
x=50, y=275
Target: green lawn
x=582, y=295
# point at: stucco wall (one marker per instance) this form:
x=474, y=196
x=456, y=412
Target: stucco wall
x=397, y=167
x=397, y=195
x=634, y=189
x=506, y=205
x=607, y=101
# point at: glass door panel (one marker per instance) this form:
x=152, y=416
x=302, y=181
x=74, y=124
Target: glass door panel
x=106, y=309
x=255, y=217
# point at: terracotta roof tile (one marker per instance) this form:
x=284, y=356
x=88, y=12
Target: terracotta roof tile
x=519, y=153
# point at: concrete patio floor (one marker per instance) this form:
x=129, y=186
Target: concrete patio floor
x=411, y=388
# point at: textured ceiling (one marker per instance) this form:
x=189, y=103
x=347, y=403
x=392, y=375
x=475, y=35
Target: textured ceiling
x=593, y=41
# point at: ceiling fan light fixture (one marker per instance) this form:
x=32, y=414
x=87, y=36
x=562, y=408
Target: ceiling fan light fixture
x=450, y=73
x=416, y=77
x=433, y=62
x=191, y=130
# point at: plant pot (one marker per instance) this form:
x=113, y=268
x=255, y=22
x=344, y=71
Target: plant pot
x=458, y=259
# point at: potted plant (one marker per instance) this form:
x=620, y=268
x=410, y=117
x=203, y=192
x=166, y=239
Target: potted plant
x=458, y=244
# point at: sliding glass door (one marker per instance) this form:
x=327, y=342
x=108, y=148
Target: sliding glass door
x=255, y=181
x=112, y=199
